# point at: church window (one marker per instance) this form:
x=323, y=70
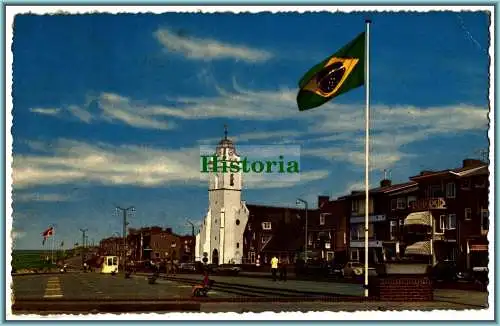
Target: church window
x=231, y=181
x=215, y=221
x=237, y=244
x=237, y=222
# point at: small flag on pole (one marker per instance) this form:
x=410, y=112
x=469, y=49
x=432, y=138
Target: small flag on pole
x=46, y=234
x=337, y=74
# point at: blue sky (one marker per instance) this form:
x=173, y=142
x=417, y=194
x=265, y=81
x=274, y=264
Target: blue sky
x=112, y=109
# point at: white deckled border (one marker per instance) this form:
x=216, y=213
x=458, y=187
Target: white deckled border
x=12, y=10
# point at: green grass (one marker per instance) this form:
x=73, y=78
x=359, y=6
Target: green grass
x=32, y=259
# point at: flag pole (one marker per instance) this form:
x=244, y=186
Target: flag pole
x=367, y=149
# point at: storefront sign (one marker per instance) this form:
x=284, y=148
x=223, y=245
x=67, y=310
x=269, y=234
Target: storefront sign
x=432, y=203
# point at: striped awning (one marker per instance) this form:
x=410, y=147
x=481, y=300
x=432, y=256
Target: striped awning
x=419, y=218
x=419, y=248
x=479, y=247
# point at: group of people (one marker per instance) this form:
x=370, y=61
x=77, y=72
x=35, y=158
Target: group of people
x=277, y=266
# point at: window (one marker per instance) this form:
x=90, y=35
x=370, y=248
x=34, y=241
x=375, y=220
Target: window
x=485, y=220
x=266, y=225
x=401, y=223
x=468, y=213
x=452, y=222
x=265, y=238
x=249, y=227
x=435, y=191
x=253, y=237
x=354, y=254
x=237, y=222
x=411, y=200
x=393, y=204
x=231, y=180
x=401, y=203
x=355, y=234
x=442, y=225
x=321, y=219
x=237, y=245
x=480, y=184
x=157, y=254
x=393, y=228
x=309, y=239
x=450, y=190
x=355, y=206
x=465, y=184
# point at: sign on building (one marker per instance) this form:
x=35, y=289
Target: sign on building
x=425, y=204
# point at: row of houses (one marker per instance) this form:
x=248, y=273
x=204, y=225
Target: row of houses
x=435, y=216
x=151, y=243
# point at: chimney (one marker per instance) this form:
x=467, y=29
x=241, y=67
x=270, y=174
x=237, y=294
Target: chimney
x=168, y=230
x=470, y=162
x=323, y=200
x=386, y=181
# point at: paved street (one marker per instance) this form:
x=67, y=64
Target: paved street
x=233, y=294
x=74, y=286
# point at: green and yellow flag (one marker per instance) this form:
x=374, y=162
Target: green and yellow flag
x=339, y=73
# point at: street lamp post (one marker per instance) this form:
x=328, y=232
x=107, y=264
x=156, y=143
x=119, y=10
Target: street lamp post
x=125, y=211
x=299, y=200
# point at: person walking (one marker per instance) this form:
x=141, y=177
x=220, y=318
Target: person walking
x=282, y=271
x=274, y=267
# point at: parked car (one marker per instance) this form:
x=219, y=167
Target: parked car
x=227, y=270
x=336, y=270
x=354, y=268
x=445, y=270
x=187, y=268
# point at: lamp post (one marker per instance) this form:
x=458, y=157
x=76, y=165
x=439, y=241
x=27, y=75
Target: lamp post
x=125, y=212
x=298, y=202
x=192, y=254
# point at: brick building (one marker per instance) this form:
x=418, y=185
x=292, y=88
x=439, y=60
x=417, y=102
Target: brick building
x=274, y=231
x=453, y=206
x=388, y=205
x=151, y=243
x=328, y=231
x=110, y=246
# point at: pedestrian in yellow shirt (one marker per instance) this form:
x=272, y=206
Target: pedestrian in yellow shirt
x=274, y=267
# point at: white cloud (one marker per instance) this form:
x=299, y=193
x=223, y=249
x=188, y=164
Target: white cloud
x=339, y=126
x=46, y=111
x=207, y=49
x=17, y=234
x=80, y=113
x=68, y=161
x=40, y=197
x=263, y=181
x=118, y=108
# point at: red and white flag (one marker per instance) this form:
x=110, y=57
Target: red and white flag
x=47, y=233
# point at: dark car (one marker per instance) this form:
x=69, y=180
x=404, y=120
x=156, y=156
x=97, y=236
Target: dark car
x=227, y=270
x=445, y=271
x=336, y=270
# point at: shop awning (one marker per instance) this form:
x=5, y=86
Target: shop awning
x=419, y=218
x=419, y=248
x=479, y=247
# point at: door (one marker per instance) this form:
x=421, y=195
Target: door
x=215, y=257
x=252, y=257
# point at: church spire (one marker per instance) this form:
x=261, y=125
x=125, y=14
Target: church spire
x=225, y=132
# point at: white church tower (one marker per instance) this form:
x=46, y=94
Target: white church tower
x=220, y=239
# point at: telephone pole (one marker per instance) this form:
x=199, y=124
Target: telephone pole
x=125, y=211
x=84, y=231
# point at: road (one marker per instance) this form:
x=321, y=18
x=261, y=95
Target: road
x=79, y=292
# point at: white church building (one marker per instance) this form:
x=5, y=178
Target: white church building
x=220, y=239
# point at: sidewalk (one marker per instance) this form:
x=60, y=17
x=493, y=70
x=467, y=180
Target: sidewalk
x=471, y=299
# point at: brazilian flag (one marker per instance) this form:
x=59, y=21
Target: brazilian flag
x=337, y=74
